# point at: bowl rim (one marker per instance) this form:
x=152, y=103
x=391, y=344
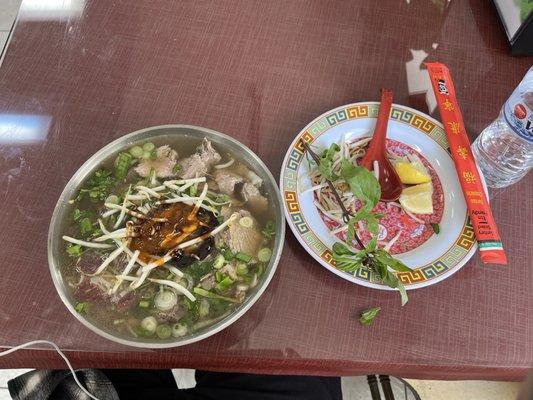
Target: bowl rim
x=111, y=148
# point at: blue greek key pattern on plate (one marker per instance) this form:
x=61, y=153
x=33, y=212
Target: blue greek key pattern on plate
x=337, y=117
x=435, y=269
x=289, y=179
x=318, y=127
x=401, y=115
x=294, y=160
x=299, y=222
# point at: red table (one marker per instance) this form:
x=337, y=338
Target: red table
x=76, y=77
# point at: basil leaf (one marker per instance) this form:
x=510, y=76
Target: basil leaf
x=403, y=293
x=74, y=250
x=362, y=182
x=326, y=162
x=390, y=279
x=385, y=258
x=435, y=227
x=341, y=249
x=372, y=244
x=367, y=316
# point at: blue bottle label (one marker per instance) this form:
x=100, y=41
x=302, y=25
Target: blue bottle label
x=517, y=113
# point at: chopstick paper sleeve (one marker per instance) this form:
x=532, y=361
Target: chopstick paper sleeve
x=489, y=242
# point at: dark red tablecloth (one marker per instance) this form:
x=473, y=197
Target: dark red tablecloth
x=86, y=72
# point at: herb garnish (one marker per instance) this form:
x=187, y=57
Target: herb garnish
x=326, y=162
x=364, y=185
x=97, y=186
x=367, y=316
x=435, y=227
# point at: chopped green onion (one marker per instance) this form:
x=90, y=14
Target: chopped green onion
x=228, y=254
x=78, y=215
x=179, y=330
x=219, y=276
x=118, y=321
x=81, y=307
x=203, y=308
x=148, y=146
x=205, y=293
x=144, y=304
x=246, y=222
x=269, y=230
x=147, y=155
x=219, y=261
x=260, y=269
x=136, y=151
x=149, y=324
x=113, y=199
x=165, y=300
x=74, y=250
x=264, y=254
x=163, y=331
x=242, y=269
x=193, y=190
x=122, y=164
x=86, y=226
x=224, y=284
x=243, y=257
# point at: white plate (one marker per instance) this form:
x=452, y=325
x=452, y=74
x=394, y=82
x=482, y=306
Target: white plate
x=434, y=260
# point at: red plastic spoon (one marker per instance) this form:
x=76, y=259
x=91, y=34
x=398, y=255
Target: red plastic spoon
x=391, y=186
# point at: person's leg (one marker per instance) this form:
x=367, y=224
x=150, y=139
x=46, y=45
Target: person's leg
x=143, y=384
x=230, y=386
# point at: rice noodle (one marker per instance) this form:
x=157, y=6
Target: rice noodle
x=87, y=244
x=313, y=188
x=225, y=165
x=187, y=200
x=109, y=213
x=110, y=258
x=389, y=245
x=200, y=200
x=133, y=213
x=147, y=190
x=138, y=197
x=126, y=271
x=119, y=233
x=123, y=210
x=182, y=181
x=340, y=229
x=174, y=270
x=327, y=214
x=118, y=242
x=176, y=286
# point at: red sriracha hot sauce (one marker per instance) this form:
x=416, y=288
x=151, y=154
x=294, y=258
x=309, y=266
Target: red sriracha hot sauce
x=489, y=242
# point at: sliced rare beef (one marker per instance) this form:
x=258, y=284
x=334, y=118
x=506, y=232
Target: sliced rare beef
x=89, y=262
x=200, y=163
x=243, y=238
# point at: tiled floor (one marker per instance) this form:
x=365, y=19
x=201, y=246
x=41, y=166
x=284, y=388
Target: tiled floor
x=354, y=388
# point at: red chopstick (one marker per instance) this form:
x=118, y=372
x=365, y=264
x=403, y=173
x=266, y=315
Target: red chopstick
x=489, y=242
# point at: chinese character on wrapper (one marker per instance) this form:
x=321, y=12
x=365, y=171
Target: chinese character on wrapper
x=469, y=177
x=448, y=106
x=454, y=126
x=462, y=152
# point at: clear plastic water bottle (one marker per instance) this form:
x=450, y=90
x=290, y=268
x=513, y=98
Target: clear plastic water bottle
x=504, y=150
